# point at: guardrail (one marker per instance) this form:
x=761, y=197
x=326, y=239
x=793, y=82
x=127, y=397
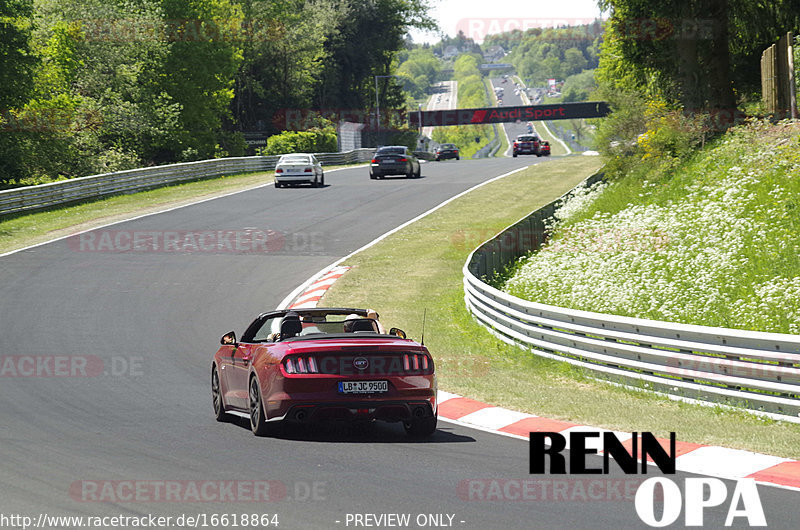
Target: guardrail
x=755, y=370
x=45, y=195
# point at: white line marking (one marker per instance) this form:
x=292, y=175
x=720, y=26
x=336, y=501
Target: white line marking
x=494, y=417
x=302, y=287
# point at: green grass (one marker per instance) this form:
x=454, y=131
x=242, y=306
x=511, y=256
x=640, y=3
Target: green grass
x=25, y=229
x=555, y=146
x=713, y=241
x=419, y=268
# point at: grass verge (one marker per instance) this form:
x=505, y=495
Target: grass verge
x=419, y=268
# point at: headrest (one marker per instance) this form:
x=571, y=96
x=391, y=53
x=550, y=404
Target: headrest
x=291, y=325
x=363, y=324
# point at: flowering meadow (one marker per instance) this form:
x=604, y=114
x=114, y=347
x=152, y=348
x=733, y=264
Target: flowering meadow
x=714, y=241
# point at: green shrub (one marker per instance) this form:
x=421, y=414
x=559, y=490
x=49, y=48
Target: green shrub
x=311, y=141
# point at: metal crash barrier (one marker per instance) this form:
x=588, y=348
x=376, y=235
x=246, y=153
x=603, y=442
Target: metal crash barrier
x=754, y=370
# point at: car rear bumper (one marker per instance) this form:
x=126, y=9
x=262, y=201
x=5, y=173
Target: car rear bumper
x=320, y=401
x=294, y=179
x=390, y=411
x=389, y=169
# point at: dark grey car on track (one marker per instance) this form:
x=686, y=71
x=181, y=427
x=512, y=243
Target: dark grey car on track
x=394, y=160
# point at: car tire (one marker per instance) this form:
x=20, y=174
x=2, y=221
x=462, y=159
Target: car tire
x=458, y=158
x=421, y=427
x=322, y=181
x=278, y=184
x=258, y=420
x=419, y=172
x=216, y=396
x=515, y=155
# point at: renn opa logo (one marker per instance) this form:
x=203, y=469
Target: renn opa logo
x=698, y=493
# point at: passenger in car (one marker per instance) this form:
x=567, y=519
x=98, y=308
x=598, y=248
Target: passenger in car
x=371, y=313
x=354, y=322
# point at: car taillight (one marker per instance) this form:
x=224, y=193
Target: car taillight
x=402, y=159
x=374, y=161
x=307, y=170
x=279, y=170
x=300, y=365
x=415, y=362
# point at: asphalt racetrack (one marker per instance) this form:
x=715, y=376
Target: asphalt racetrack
x=105, y=406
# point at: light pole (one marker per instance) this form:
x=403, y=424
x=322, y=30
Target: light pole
x=377, y=103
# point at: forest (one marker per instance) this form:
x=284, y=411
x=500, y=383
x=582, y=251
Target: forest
x=92, y=86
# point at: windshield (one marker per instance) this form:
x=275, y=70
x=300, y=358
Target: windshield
x=294, y=159
x=391, y=151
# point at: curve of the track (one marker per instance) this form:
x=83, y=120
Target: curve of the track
x=152, y=321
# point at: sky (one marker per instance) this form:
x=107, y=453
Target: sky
x=481, y=17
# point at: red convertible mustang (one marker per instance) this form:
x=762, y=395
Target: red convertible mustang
x=309, y=365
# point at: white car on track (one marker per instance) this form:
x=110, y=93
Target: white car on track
x=299, y=168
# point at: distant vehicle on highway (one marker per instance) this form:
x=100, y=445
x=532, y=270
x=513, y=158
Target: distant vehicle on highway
x=527, y=144
x=323, y=364
x=394, y=160
x=445, y=151
x=299, y=168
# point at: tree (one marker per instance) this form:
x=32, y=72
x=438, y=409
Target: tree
x=282, y=57
x=17, y=64
x=362, y=43
x=574, y=62
x=693, y=53
x=200, y=69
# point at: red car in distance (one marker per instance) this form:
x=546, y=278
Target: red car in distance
x=526, y=144
x=544, y=148
x=312, y=365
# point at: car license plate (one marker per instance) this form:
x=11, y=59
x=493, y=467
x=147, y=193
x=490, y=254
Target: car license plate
x=363, y=387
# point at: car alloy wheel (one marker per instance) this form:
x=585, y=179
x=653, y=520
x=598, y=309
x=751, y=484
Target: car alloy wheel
x=258, y=423
x=216, y=396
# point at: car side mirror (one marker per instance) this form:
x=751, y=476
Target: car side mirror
x=397, y=332
x=228, y=338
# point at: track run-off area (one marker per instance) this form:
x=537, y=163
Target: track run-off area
x=110, y=411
